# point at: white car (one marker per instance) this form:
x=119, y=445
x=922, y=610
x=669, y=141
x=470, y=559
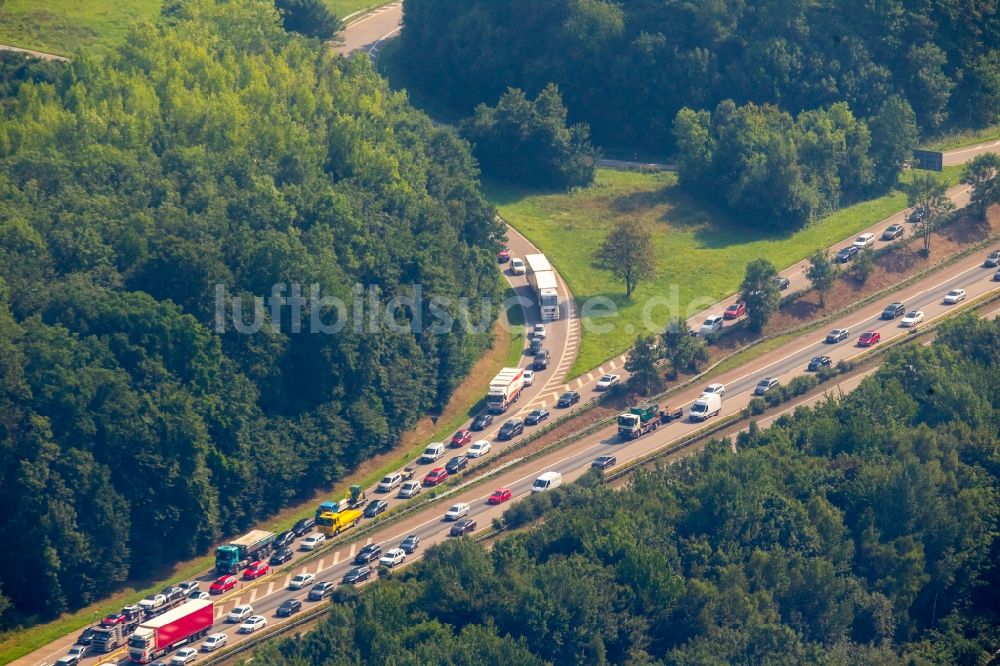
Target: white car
x=912, y=318
x=529, y=377
x=715, y=389
x=390, y=481
x=458, y=511
x=239, y=613
x=152, y=601
x=78, y=651
x=539, y=331
x=864, y=240
x=252, y=624
x=183, y=656
x=312, y=541
x=954, y=296
x=517, y=266
x=711, y=325
x=478, y=449
x=199, y=595
x=393, y=557
x=607, y=381
x=301, y=580
x=409, y=489
x=214, y=642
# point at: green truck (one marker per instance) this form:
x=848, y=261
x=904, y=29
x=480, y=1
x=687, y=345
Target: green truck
x=640, y=420
x=237, y=554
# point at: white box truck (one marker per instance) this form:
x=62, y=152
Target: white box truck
x=542, y=279
x=505, y=389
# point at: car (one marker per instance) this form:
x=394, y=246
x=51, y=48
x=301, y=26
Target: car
x=463, y=527
x=252, y=624
x=735, y=311
x=517, y=266
x=499, y=496
x=714, y=389
x=539, y=331
x=223, y=584
x=111, y=619
x=389, y=482
x=301, y=580
x=604, y=462
x=312, y=541
x=152, y=602
x=183, y=656
x=607, y=381
x=818, y=362
x=256, y=570
x=869, y=338
x=432, y=453
x=359, y=574
x=996, y=276
x=78, y=651
x=68, y=660
x=765, y=385
x=198, y=596
x=280, y=557
x=213, y=642
x=376, y=507
x=712, y=324
x=503, y=256
x=917, y=214
x=86, y=636
x=864, y=240
x=846, y=254
x=320, y=591
x=536, y=416
x=303, y=527
x=460, y=439
x=284, y=539
x=288, y=608
x=568, y=399
x=912, y=318
x=529, y=377
x=535, y=345
x=239, y=613
x=783, y=282
x=393, y=557
x=409, y=489
x=837, y=334
x=993, y=259
x=457, y=511
x=435, y=477
x=541, y=360
x=512, y=428
x=893, y=310
x=482, y=422
x=189, y=587
x=479, y=449
x=457, y=464
x=369, y=553
x=410, y=544
x=173, y=593
x=893, y=231
x=954, y=296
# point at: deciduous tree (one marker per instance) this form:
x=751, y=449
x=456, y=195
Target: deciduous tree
x=627, y=251
x=759, y=290
x=822, y=273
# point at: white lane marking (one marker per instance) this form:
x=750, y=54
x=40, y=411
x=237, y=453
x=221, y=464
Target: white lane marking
x=253, y=595
x=319, y=565
x=336, y=558
x=288, y=579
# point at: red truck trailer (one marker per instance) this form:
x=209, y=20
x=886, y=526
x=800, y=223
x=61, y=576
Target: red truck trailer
x=158, y=636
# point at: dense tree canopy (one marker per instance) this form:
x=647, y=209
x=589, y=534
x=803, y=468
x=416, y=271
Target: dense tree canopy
x=860, y=531
x=213, y=151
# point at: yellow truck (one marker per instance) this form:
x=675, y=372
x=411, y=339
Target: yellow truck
x=332, y=518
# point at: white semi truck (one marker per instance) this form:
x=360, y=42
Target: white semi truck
x=542, y=279
x=505, y=389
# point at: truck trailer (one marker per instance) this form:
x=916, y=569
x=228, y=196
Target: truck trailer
x=156, y=637
x=237, y=555
x=637, y=421
x=505, y=389
x=114, y=633
x=543, y=281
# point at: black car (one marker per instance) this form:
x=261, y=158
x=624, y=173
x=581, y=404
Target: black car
x=359, y=574
x=568, y=399
x=541, y=360
x=284, y=540
x=280, y=557
x=457, y=464
x=536, y=416
x=604, y=462
x=783, y=282
x=288, y=607
x=819, y=362
x=375, y=507
x=86, y=637
x=511, y=428
x=846, y=254
x=303, y=527
x=893, y=310
x=369, y=553
x=482, y=422
x=917, y=214
x=463, y=527
x=320, y=590
x=410, y=544
x=536, y=345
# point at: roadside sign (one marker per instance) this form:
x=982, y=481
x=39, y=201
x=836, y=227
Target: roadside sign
x=931, y=160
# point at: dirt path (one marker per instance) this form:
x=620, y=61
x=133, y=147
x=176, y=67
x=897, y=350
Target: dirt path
x=36, y=54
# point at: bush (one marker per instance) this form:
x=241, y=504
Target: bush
x=803, y=384
x=775, y=397
x=757, y=406
x=826, y=374
x=844, y=366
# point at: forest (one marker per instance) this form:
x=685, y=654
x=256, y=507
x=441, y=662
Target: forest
x=863, y=530
x=213, y=150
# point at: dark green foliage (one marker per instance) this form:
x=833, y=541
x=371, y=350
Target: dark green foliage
x=759, y=290
x=217, y=151
x=757, y=405
x=627, y=252
x=311, y=18
x=860, y=531
x=822, y=273
x=981, y=173
x=645, y=377
x=528, y=141
x=863, y=265
x=682, y=350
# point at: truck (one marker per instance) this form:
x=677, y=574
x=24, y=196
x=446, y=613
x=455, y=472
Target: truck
x=236, y=555
x=543, y=280
x=505, y=389
x=114, y=631
x=637, y=421
x=154, y=638
x=333, y=523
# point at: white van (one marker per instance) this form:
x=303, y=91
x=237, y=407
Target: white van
x=547, y=481
x=432, y=453
x=709, y=404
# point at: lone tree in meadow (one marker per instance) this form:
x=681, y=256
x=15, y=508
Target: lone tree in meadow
x=628, y=253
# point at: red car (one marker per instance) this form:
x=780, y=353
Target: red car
x=735, y=311
x=435, y=476
x=461, y=438
x=868, y=338
x=499, y=496
x=504, y=255
x=112, y=619
x=224, y=584
x=256, y=570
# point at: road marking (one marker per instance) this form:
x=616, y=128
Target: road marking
x=336, y=558
x=288, y=579
x=270, y=588
x=319, y=565
x=353, y=546
x=236, y=601
x=590, y=376
x=253, y=595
